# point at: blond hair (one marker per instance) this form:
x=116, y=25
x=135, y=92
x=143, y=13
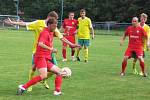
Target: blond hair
x=144, y=15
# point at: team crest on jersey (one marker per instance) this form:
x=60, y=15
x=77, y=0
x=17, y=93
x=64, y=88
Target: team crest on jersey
x=137, y=31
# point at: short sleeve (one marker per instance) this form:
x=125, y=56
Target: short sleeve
x=148, y=31
x=90, y=23
x=31, y=25
x=144, y=32
x=57, y=33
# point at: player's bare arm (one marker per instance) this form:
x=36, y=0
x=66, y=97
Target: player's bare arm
x=41, y=44
x=54, y=50
x=10, y=22
x=69, y=43
x=122, y=39
x=92, y=30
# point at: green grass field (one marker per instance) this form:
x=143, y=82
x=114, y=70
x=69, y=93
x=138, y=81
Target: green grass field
x=98, y=79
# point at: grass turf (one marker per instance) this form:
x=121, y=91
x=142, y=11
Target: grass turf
x=98, y=79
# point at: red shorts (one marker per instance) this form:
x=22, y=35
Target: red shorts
x=129, y=52
x=41, y=62
x=71, y=39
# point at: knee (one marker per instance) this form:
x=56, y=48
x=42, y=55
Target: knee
x=43, y=76
x=64, y=47
x=73, y=49
x=141, y=59
x=79, y=48
x=85, y=47
x=125, y=58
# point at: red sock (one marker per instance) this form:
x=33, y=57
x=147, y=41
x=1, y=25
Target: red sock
x=32, y=82
x=72, y=52
x=64, y=53
x=58, y=82
x=142, y=66
x=124, y=64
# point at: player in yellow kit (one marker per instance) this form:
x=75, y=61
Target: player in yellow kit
x=84, y=27
x=143, y=24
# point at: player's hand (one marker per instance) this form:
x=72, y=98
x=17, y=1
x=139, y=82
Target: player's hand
x=93, y=36
x=148, y=46
x=54, y=50
x=76, y=46
x=121, y=43
x=7, y=21
x=64, y=34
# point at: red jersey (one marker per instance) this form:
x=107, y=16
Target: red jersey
x=47, y=38
x=135, y=36
x=70, y=26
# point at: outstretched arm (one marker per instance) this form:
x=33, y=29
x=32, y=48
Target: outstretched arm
x=69, y=43
x=10, y=22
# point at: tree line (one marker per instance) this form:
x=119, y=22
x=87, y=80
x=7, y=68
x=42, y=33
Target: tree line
x=97, y=10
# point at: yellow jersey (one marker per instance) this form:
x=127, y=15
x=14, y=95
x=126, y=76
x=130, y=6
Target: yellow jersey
x=37, y=26
x=147, y=30
x=84, y=26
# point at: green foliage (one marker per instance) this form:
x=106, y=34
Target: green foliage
x=7, y=7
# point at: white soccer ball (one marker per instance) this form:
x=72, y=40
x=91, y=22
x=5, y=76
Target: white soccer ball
x=66, y=72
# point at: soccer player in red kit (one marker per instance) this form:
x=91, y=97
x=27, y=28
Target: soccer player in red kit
x=70, y=28
x=135, y=45
x=42, y=56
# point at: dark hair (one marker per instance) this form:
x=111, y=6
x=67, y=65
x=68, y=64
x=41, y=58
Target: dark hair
x=83, y=10
x=71, y=12
x=53, y=14
x=52, y=20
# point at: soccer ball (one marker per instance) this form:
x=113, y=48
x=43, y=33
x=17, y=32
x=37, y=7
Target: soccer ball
x=66, y=72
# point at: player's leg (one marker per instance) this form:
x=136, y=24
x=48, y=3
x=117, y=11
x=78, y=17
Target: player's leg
x=34, y=80
x=31, y=73
x=80, y=42
x=41, y=64
x=127, y=54
x=141, y=73
x=72, y=40
x=64, y=51
x=58, y=79
x=134, y=63
x=77, y=56
x=124, y=64
x=58, y=83
x=86, y=45
x=85, y=53
x=45, y=84
x=72, y=54
x=133, y=66
x=142, y=64
x=141, y=60
x=50, y=74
